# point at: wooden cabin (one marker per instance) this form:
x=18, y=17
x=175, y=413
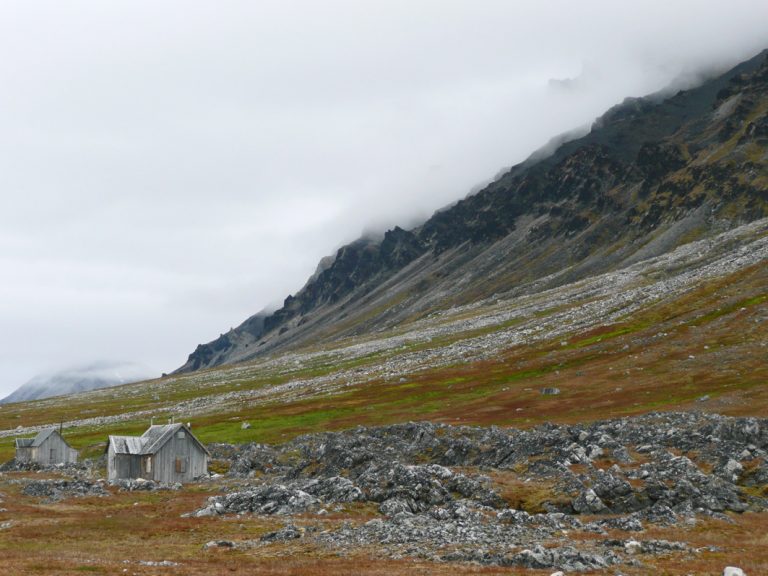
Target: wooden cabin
x=168, y=453
x=48, y=448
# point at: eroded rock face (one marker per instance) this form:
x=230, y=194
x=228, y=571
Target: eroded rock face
x=630, y=473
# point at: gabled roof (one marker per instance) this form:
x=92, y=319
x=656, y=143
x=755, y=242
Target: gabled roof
x=151, y=441
x=42, y=436
x=38, y=440
x=157, y=435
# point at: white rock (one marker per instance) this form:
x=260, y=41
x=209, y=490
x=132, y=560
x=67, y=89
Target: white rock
x=633, y=547
x=733, y=571
x=594, y=452
x=734, y=469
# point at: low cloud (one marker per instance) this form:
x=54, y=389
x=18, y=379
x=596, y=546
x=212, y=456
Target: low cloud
x=164, y=177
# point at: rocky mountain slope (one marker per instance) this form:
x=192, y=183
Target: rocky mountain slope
x=652, y=174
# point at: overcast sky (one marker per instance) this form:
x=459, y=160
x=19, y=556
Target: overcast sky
x=168, y=168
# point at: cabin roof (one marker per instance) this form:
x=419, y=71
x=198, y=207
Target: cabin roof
x=127, y=444
x=157, y=435
x=42, y=436
x=38, y=440
x=151, y=441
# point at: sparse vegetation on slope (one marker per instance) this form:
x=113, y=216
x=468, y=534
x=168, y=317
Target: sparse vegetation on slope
x=664, y=336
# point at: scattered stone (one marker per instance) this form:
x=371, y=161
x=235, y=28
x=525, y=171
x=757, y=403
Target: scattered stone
x=733, y=571
x=589, y=502
x=430, y=510
x=290, y=532
x=550, y=391
x=267, y=500
x=57, y=490
x=566, y=557
x=732, y=470
x=142, y=484
x=84, y=468
x=655, y=547
x=629, y=523
x=223, y=544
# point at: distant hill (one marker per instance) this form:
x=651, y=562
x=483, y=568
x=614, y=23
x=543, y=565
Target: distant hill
x=652, y=174
x=80, y=379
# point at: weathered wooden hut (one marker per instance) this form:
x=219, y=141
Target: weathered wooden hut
x=47, y=449
x=168, y=453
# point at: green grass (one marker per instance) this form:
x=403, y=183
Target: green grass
x=268, y=426
x=605, y=336
x=729, y=309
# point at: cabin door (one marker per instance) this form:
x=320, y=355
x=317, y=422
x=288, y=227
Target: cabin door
x=146, y=467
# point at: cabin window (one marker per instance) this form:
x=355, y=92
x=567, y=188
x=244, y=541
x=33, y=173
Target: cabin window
x=180, y=435
x=148, y=464
x=181, y=465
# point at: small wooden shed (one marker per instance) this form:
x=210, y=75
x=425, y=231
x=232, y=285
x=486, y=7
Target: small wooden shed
x=48, y=448
x=167, y=453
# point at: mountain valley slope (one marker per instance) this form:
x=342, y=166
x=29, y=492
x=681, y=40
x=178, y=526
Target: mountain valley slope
x=663, y=332
x=652, y=174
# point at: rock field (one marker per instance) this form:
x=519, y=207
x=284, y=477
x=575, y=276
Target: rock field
x=439, y=494
x=571, y=498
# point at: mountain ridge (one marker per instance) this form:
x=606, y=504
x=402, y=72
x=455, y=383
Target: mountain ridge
x=78, y=379
x=652, y=173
